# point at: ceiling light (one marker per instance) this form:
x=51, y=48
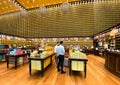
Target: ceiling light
x=15, y=3
x=114, y=31
x=43, y=10
x=24, y=13
x=10, y=5
x=20, y=6
x=2, y=8
x=65, y=7
x=28, y=2
x=33, y=0
x=4, y=2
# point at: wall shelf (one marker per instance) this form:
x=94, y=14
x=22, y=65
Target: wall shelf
x=117, y=41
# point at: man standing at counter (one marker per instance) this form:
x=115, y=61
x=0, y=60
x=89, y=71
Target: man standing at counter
x=60, y=51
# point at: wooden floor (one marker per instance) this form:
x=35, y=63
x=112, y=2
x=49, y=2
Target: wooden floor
x=96, y=75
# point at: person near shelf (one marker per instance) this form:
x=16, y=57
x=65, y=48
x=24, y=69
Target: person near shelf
x=40, y=50
x=56, y=57
x=85, y=48
x=105, y=46
x=92, y=47
x=11, y=49
x=77, y=47
x=60, y=51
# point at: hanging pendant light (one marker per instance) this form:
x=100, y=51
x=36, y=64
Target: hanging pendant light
x=65, y=7
x=113, y=31
x=23, y=13
x=43, y=10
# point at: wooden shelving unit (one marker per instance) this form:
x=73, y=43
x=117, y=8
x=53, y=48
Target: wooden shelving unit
x=3, y=51
x=82, y=43
x=117, y=41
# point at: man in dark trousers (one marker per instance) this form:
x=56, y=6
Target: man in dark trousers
x=60, y=51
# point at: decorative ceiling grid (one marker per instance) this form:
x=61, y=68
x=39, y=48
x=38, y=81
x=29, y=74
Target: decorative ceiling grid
x=38, y=3
x=7, y=6
x=81, y=20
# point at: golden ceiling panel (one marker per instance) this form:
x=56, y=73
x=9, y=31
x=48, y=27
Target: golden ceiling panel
x=81, y=20
x=7, y=6
x=37, y=3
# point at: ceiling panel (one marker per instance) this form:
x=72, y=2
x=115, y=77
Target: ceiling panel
x=37, y=3
x=7, y=6
x=84, y=19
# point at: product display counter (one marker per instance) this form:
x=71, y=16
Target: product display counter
x=40, y=63
x=3, y=51
x=15, y=59
x=1, y=56
x=112, y=62
x=77, y=62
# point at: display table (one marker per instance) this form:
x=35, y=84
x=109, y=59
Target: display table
x=78, y=62
x=13, y=59
x=38, y=63
x=2, y=53
x=112, y=62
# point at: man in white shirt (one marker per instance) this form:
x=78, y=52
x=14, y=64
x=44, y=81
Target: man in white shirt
x=60, y=51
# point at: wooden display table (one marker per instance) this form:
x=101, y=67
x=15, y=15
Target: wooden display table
x=112, y=62
x=3, y=53
x=78, y=63
x=13, y=59
x=38, y=63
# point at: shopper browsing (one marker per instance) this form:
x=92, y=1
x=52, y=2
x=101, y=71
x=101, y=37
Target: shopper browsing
x=60, y=51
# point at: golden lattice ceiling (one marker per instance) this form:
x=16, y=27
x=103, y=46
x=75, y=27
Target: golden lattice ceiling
x=37, y=3
x=83, y=19
x=7, y=6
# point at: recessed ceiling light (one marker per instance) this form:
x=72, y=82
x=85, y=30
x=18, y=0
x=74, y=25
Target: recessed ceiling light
x=4, y=2
x=2, y=8
x=33, y=0
x=10, y=5
x=28, y=2
x=20, y=6
x=16, y=3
